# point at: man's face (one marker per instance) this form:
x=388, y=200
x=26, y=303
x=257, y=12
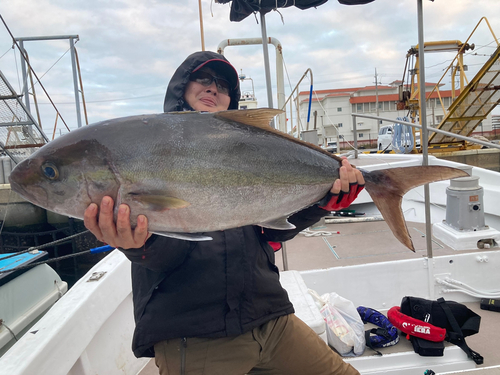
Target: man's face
x=206, y=96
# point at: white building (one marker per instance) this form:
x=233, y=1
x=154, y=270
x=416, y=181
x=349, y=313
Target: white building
x=331, y=111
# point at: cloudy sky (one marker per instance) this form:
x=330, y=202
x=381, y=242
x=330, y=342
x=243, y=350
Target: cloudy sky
x=128, y=49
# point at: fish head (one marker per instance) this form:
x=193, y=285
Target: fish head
x=65, y=177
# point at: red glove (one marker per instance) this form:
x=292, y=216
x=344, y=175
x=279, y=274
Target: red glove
x=335, y=202
x=275, y=245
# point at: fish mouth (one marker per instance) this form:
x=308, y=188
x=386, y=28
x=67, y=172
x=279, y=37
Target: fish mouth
x=37, y=195
x=18, y=178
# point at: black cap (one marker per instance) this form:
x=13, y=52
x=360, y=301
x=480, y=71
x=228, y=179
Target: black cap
x=223, y=69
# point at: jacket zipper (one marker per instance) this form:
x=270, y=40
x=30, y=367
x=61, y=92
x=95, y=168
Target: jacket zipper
x=183, y=355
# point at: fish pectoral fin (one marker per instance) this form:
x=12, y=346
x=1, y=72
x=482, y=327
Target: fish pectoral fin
x=281, y=224
x=184, y=236
x=159, y=202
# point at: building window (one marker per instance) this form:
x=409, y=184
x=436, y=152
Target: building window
x=359, y=107
x=360, y=135
x=339, y=109
x=339, y=124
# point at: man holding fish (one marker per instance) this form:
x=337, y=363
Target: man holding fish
x=217, y=306
x=216, y=189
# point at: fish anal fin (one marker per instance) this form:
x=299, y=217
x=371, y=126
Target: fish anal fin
x=159, y=202
x=280, y=224
x=184, y=236
x=387, y=187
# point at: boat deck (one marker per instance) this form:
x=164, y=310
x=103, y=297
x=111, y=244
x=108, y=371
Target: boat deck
x=373, y=242
x=356, y=243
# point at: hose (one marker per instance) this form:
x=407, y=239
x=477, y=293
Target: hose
x=461, y=287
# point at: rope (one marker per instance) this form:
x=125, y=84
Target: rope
x=316, y=233
x=2, y=323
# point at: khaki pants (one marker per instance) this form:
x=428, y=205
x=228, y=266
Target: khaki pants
x=282, y=346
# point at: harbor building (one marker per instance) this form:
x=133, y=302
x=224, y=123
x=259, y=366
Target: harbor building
x=332, y=109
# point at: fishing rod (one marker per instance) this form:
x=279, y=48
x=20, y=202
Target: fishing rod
x=95, y=250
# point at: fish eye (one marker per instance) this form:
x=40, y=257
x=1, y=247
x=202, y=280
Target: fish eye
x=50, y=171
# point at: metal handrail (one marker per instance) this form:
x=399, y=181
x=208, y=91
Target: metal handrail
x=296, y=89
x=458, y=136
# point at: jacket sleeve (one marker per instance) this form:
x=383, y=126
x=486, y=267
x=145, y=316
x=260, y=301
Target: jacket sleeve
x=302, y=220
x=160, y=254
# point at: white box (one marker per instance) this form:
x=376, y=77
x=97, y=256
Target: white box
x=303, y=303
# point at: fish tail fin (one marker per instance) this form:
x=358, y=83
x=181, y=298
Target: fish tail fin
x=387, y=187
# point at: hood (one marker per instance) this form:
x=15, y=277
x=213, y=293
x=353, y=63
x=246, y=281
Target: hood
x=174, y=98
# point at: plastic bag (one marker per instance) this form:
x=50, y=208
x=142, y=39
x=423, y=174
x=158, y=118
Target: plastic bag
x=345, y=329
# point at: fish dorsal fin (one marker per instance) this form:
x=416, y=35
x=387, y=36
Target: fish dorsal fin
x=260, y=118
x=182, y=112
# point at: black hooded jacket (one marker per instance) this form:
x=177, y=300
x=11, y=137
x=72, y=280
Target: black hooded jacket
x=217, y=288
x=174, y=98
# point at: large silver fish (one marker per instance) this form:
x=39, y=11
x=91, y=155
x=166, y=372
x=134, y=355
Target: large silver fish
x=200, y=172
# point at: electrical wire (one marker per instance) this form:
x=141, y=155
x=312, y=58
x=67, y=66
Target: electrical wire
x=6, y=52
x=299, y=121
x=59, y=59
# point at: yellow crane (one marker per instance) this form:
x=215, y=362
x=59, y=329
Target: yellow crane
x=470, y=105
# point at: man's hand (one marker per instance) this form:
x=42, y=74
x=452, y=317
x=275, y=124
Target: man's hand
x=101, y=223
x=345, y=189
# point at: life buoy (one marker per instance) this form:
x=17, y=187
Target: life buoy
x=415, y=327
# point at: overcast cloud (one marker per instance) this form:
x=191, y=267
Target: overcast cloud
x=128, y=49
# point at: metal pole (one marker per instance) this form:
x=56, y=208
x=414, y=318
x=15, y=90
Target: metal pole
x=423, y=121
x=75, y=82
x=423, y=142
x=81, y=88
x=201, y=27
x=355, y=133
x=25, y=76
x=266, y=60
x=284, y=256
x=309, y=107
x=376, y=102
